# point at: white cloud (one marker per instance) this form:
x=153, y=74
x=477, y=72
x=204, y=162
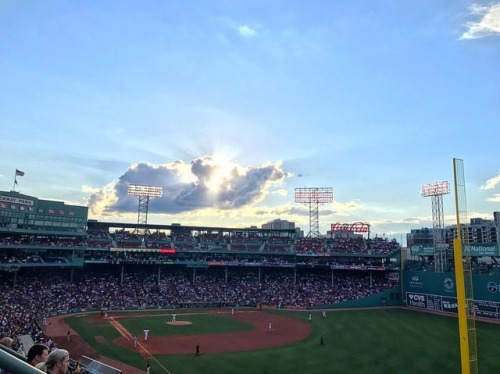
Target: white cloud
x=246, y=31
x=205, y=182
x=243, y=30
x=491, y=183
x=281, y=192
x=345, y=207
x=101, y=198
x=495, y=198
x=89, y=189
x=489, y=24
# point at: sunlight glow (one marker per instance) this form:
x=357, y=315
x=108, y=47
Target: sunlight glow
x=222, y=172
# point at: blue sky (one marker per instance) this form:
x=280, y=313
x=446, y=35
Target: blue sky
x=232, y=105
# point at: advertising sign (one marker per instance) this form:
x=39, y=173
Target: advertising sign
x=481, y=249
x=422, y=250
x=485, y=309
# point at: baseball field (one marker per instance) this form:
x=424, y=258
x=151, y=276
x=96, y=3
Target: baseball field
x=355, y=341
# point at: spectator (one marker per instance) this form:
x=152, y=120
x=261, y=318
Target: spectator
x=6, y=342
x=37, y=354
x=57, y=362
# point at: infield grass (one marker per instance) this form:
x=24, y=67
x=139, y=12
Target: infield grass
x=357, y=341
x=201, y=323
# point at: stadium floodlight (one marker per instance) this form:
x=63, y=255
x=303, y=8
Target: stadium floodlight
x=143, y=193
x=319, y=195
x=146, y=191
x=436, y=191
x=314, y=196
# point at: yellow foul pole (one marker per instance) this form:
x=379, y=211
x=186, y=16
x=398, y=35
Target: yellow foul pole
x=461, y=305
x=463, y=279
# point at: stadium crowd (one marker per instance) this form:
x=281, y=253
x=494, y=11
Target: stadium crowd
x=30, y=295
x=125, y=239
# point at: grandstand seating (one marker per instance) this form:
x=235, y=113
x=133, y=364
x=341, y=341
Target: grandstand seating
x=310, y=245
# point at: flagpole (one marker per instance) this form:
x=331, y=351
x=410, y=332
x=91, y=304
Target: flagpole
x=21, y=174
x=15, y=181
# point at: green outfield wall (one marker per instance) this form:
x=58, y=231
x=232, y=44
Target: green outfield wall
x=391, y=297
x=437, y=292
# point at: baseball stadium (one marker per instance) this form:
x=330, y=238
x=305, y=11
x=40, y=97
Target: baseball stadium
x=139, y=297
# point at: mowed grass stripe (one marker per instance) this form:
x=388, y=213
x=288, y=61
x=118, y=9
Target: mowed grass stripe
x=357, y=341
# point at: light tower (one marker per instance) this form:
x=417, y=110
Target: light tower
x=143, y=193
x=436, y=191
x=314, y=196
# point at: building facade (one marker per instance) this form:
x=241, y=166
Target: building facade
x=24, y=212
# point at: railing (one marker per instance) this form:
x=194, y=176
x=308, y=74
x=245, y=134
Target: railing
x=13, y=362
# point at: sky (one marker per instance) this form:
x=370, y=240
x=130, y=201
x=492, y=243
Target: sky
x=230, y=106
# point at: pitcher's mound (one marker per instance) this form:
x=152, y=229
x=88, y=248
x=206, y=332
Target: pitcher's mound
x=179, y=323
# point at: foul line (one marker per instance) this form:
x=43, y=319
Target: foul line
x=127, y=335
x=122, y=330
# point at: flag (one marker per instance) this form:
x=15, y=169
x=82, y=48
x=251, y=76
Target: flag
x=20, y=173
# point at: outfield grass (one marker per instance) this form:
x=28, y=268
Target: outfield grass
x=357, y=341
